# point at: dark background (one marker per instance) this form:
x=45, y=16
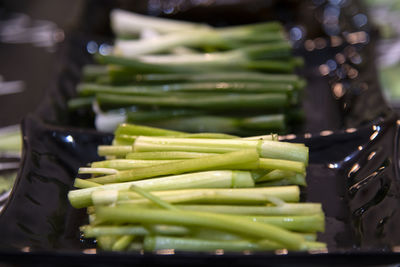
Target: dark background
x=26, y=61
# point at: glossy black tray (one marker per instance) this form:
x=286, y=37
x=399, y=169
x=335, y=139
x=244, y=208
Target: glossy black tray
x=353, y=173
x=352, y=134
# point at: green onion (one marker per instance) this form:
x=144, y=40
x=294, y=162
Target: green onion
x=230, y=223
x=81, y=198
x=182, y=166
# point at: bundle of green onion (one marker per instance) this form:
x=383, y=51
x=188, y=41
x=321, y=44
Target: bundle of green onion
x=162, y=189
x=194, y=78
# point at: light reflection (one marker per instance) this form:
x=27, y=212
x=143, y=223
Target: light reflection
x=165, y=252
x=295, y=34
x=290, y=136
x=26, y=249
x=338, y=90
x=371, y=155
x=219, y=252
x=374, y=135
x=353, y=170
x=336, y=41
x=320, y=43
x=90, y=251
x=360, y=20
x=357, y=37
x=69, y=139
x=331, y=64
x=396, y=249
x=92, y=47
x=340, y=58
x=324, y=69
x=360, y=148
x=105, y=49
x=356, y=58
x=307, y=135
x=169, y=10
x=281, y=251
x=333, y=165
x=326, y=133
x=318, y=251
x=222, y=85
x=351, y=130
x=309, y=45
x=347, y=158
x=354, y=188
x=376, y=127
x=352, y=73
x=331, y=19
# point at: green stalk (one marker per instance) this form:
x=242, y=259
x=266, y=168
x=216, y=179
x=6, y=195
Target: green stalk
x=207, y=123
x=242, y=55
x=210, y=234
x=182, y=166
x=117, y=165
x=123, y=139
x=297, y=179
x=264, y=122
x=269, y=101
x=143, y=116
x=223, y=38
x=299, y=223
x=137, y=130
x=211, y=123
x=281, y=178
x=81, y=183
x=91, y=72
x=198, y=38
x=153, y=198
x=127, y=164
x=285, y=209
x=80, y=102
x=86, y=89
x=152, y=243
x=165, y=155
x=229, y=223
x=106, y=242
x=219, y=63
x=275, y=175
x=122, y=243
x=210, y=179
x=94, y=170
x=266, y=148
x=90, y=231
x=242, y=196
x=120, y=74
x=129, y=23
x=107, y=150
x=285, y=165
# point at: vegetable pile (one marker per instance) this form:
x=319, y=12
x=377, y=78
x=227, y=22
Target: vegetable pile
x=163, y=189
x=194, y=77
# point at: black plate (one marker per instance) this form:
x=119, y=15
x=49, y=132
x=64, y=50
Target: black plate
x=353, y=173
x=353, y=140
